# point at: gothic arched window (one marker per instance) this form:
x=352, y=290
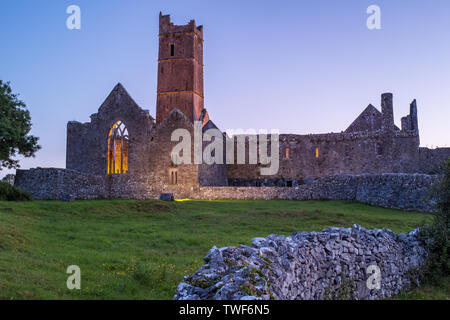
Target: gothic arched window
x=118, y=149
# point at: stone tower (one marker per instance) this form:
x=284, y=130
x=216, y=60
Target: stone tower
x=180, y=69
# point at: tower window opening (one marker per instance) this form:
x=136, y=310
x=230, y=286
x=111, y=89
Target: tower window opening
x=172, y=50
x=287, y=152
x=317, y=152
x=173, y=176
x=118, y=149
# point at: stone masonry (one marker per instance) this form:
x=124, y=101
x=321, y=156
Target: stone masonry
x=399, y=191
x=332, y=264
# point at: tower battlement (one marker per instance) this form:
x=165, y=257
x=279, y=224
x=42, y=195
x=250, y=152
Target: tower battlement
x=166, y=27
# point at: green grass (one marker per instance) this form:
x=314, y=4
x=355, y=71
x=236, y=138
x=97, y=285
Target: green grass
x=130, y=249
x=427, y=292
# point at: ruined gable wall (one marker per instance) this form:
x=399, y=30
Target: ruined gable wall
x=369, y=120
x=87, y=143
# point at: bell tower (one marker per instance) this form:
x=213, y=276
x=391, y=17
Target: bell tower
x=180, y=69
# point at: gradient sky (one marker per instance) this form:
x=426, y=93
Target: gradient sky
x=297, y=66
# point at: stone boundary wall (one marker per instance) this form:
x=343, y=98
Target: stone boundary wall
x=60, y=184
x=431, y=160
x=393, y=190
x=335, y=263
x=398, y=191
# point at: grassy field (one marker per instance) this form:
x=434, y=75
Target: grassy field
x=130, y=249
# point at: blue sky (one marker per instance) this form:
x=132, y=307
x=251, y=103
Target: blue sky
x=297, y=66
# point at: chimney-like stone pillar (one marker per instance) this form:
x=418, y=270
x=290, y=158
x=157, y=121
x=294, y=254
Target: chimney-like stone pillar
x=405, y=124
x=413, y=113
x=387, y=111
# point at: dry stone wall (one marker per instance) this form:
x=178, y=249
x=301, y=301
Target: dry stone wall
x=399, y=191
x=336, y=263
x=395, y=190
x=60, y=184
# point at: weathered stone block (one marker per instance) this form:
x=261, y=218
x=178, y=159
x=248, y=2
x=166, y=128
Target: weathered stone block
x=166, y=197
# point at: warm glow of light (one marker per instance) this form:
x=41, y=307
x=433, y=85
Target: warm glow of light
x=118, y=155
x=317, y=152
x=118, y=149
x=125, y=157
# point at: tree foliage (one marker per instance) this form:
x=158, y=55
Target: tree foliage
x=9, y=178
x=436, y=235
x=11, y=193
x=15, y=125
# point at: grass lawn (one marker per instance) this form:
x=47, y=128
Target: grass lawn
x=131, y=249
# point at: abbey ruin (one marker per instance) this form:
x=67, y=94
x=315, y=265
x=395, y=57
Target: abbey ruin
x=124, y=152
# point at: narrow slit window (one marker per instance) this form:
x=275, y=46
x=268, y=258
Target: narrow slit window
x=173, y=176
x=172, y=50
x=287, y=152
x=317, y=152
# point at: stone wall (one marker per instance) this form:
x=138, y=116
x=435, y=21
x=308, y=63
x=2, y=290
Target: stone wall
x=431, y=159
x=321, y=155
x=331, y=264
x=60, y=184
x=399, y=191
x=64, y=184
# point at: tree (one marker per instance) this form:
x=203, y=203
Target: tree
x=15, y=125
x=436, y=235
x=9, y=178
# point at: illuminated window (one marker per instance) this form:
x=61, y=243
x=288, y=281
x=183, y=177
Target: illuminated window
x=118, y=149
x=317, y=152
x=173, y=176
x=287, y=152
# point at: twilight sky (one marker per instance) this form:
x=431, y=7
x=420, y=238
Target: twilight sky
x=297, y=66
